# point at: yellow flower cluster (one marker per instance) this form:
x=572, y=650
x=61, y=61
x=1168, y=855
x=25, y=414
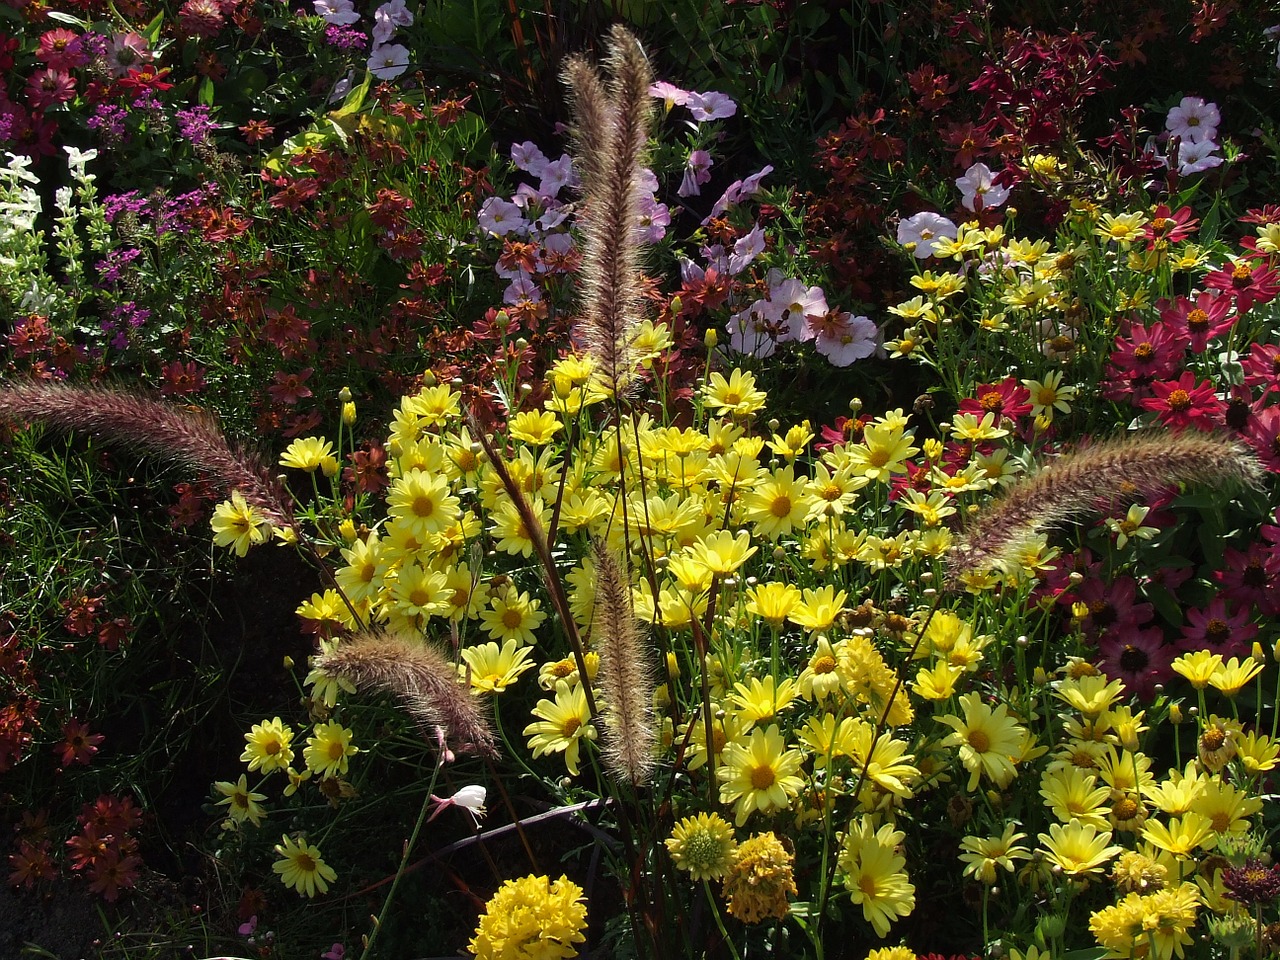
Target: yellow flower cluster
x=531, y=917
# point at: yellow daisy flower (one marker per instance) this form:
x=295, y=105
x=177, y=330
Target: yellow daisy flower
x=759, y=774
x=301, y=868
x=492, y=668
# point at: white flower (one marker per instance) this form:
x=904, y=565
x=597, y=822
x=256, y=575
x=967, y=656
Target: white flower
x=855, y=339
x=977, y=182
x=388, y=61
x=1193, y=120
x=77, y=160
x=925, y=230
x=340, y=12
x=499, y=217
x=754, y=331
x=1197, y=157
x=746, y=249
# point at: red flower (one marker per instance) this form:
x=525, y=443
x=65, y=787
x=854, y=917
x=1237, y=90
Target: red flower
x=1262, y=433
x=256, y=131
x=31, y=864
x=1182, y=403
x=1248, y=284
x=111, y=815
x=294, y=193
x=61, y=49
x=289, y=388
x=78, y=745
x=1008, y=398
x=1169, y=227
x=1262, y=367
x=369, y=469
x=389, y=211
x=1217, y=629
x=1198, y=322
x=181, y=380
x=112, y=872
x=137, y=82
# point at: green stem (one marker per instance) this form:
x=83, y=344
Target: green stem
x=715, y=912
x=404, y=861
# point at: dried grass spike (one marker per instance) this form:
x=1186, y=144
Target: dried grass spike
x=1107, y=473
x=626, y=675
x=177, y=434
x=420, y=677
x=612, y=131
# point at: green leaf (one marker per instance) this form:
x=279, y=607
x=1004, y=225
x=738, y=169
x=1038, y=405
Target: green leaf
x=206, y=92
x=152, y=31
x=67, y=18
x=354, y=99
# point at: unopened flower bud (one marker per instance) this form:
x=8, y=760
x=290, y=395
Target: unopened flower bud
x=345, y=394
x=676, y=305
x=348, y=413
x=429, y=379
x=710, y=338
x=1175, y=713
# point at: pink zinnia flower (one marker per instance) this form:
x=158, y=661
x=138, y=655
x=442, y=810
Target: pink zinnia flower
x=1182, y=403
x=1216, y=628
x=61, y=49
x=1247, y=283
x=48, y=87
x=1200, y=321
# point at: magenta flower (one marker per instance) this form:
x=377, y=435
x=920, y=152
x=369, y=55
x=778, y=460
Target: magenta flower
x=1183, y=403
x=1198, y=322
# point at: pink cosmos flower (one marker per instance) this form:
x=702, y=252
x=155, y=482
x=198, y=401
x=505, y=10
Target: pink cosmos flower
x=1197, y=157
x=500, y=217
x=757, y=330
x=978, y=189
x=697, y=171
x=925, y=230
x=527, y=157
x=1138, y=656
x=746, y=249
x=841, y=337
x=669, y=94
x=1193, y=120
x=796, y=304
x=711, y=106
x=388, y=61
x=340, y=12
x=1216, y=628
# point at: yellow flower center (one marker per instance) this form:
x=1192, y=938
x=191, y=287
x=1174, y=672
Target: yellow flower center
x=780, y=507
x=824, y=664
x=1213, y=739
x=305, y=862
x=979, y=741
x=762, y=778
x=1179, y=400
x=423, y=506
x=511, y=618
x=570, y=727
x=1197, y=319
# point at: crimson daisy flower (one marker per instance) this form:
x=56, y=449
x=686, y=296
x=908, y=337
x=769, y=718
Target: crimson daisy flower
x=78, y=745
x=1262, y=367
x=1112, y=607
x=1216, y=628
x=1008, y=398
x=1182, y=403
x=1250, y=576
x=1199, y=321
x=1249, y=284
x=1141, y=356
x=1169, y=226
x=1262, y=433
x=1138, y=656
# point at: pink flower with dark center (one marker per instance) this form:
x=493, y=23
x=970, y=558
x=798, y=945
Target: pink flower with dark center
x=1183, y=403
x=289, y=388
x=1251, y=576
x=1262, y=433
x=1262, y=367
x=61, y=49
x=48, y=87
x=1218, y=629
x=1006, y=399
x=1138, y=656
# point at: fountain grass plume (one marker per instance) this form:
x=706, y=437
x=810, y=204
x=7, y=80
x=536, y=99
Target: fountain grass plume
x=1096, y=477
x=626, y=675
x=191, y=438
x=421, y=677
x=611, y=129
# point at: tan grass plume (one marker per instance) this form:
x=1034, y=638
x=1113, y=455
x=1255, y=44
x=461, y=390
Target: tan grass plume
x=611, y=129
x=421, y=677
x=626, y=675
x=177, y=434
x=1099, y=477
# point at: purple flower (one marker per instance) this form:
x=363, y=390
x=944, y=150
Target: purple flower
x=128, y=202
x=336, y=952
x=110, y=266
x=738, y=191
x=194, y=123
x=342, y=37
x=556, y=174
x=522, y=288
x=499, y=217
x=387, y=17
x=697, y=171
x=655, y=217
x=746, y=249
x=527, y=157
x=108, y=119
x=711, y=106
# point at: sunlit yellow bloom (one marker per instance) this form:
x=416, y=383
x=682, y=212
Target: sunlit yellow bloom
x=1080, y=849
x=982, y=856
x=1181, y=835
x=492, y=668
x=562, y=725
x=986, y=738
x=759, y=700
x=737, y=396
x=874, y=875
x=1231, y=676
x=819, y=608
x=534, y=427
x=759, y=773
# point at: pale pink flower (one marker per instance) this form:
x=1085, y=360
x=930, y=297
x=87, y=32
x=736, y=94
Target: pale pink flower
x=978, y=189
x=746, y=249
x=1193, y=120
x=388, y=61
x=341, y=12
x=499, y=217
x=711, y=105
x=925, y=230
x=697, y=171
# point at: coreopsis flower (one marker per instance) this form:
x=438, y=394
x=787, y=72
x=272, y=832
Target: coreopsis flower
x=238, y=525
x=491, y=668
x=987, y=739
x=1130, y=527
x=513, y=616
x=736, y=396
x=531, y=917
x=1080, y=849
x=982, y=856
x=703, y=845
x=873, y=873
x=759, y=773
x=241, y=802
x=760, y=879
x=773, y=602
x=1048, y=396
x=328, y=750
x=268, y=746
x=562, y=725
x=301, y=867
